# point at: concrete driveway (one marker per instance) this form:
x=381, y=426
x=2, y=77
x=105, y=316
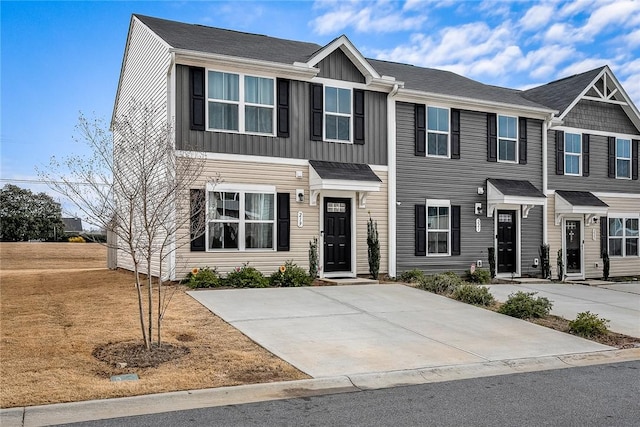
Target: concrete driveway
x=618, y=302
x=348, y=330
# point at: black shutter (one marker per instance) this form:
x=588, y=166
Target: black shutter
x=559, y=152
x=421, y=230
x=604, y=235
x=358, y=116
x=421, y=130
x=455, y=133
x=196, y=96
x=585, y=154
x=455, y=230
x=492, y=137
x=612, y=156
x=283, y=108
x=283, y=222
x=522, y=140
x=197, y=201
x=316, y=112
x=634, y=158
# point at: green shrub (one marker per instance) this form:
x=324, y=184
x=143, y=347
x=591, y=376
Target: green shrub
x=373, y=248
x=588, y=325
x=492, y=261
x=203, y=278
x=479, y=276
x=411, y=276
x=473, y=294
x=290, y=275
x=523, y=306
x=442, y=284
x=246, y=277
x=313, y=258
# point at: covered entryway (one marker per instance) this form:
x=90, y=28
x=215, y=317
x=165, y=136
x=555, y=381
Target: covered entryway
x=507, y=242
x=337, y=234
x=573, y=245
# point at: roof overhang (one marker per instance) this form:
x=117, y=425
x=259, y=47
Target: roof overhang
x=587, y=204
x=333, y=176
x=499, y=193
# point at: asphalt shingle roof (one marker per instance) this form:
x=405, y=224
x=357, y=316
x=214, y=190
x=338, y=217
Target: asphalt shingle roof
x=581, y=198
x=513, y=187
x=349, y=171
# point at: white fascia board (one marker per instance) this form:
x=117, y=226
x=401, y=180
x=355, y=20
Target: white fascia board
x=595, y=132
x=473, y=104
x=564, y=207
x=583, y=93
x=352, y=53
x=317, y=183
x=202, y=59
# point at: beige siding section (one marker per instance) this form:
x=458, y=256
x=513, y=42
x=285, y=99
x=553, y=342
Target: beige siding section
x=623, y=266
x=283, y=178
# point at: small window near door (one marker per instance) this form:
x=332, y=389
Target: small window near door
x=623, y=237
x=336, y=207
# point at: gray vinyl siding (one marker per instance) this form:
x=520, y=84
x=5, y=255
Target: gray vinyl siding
x=298, y=145
x=600, y=116
x=598, y=179
x=337, y=66
x=457, y=180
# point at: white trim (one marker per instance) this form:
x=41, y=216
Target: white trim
x=496, y=200
x=354, y=262
x=593, y=132
x=578, y=155
x=438, y=203
x=438, y=132
x=624, y=237
x=515, y=208
x=336, y=114
x=620, y=195
x=580, y=274
x=564, y=209
x=515, y=140
x=564, y=113
x=344, y=44
x=630, y=158
x=391, y=182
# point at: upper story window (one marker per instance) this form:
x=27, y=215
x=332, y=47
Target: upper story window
x=623, y=236
x=507, y=139
x=241, y=103
x=438, y=227
x=337, y=114
x=437, y=131
x=623, y=158
x=572, y=153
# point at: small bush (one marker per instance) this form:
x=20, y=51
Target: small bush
x=411, y=276
x=479, y=276
x=473, y=294
x=523, y=306
x=77, y=239
x=588, y=325
x=203, y=278
x=290, y=275
x=246, y=277
x=442, y=284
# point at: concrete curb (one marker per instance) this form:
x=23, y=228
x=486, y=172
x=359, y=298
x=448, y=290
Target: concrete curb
x=193, y=399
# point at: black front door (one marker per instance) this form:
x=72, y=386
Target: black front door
x=507, y=247
x=337, y=235
x=573, y=243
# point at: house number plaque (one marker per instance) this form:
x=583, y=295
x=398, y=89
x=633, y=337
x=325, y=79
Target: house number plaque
x=478, y=225
x=300, y=219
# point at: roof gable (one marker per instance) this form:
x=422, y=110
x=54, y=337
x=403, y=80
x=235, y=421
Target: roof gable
x=344, y=44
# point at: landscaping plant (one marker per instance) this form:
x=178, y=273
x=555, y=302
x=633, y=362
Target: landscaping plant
x=544, y=260
x=492, y=261
x=313, y=258
x=479, y=276
x=373, y=248
x=605, y=264
x=290, y=275
x=412, y=276
x=442, y=284
x=203, y=278
x=473, y=294
x=246, y=277
x=524, y=306
x=588, y=325
x=560, y=265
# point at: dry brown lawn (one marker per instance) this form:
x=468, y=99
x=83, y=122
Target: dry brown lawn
x=58, y=303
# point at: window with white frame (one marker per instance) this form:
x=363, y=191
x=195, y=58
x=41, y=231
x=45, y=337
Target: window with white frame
x=241, y=220
x=623, y=236
x=572, y=153
x=337, y=114
x=241, y=103
x=438, y=227
x=623, y=158
x=437, y=131
x=507, y=139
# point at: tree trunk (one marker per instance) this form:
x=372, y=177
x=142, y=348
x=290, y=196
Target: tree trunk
x=141, y=312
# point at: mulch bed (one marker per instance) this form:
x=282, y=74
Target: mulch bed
x=136, y=355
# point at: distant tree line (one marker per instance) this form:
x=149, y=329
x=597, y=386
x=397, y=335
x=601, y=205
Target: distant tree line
x=25, y=215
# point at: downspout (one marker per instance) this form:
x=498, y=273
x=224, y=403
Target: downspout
x=171, y=102
x=546, y=125
x=391, y=177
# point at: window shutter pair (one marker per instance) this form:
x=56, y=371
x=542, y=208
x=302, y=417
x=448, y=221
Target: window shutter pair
x=421, y=230
x=198, y=221
x=560, y=153
x=317, y=113
x=612, y=157
x=420, y=121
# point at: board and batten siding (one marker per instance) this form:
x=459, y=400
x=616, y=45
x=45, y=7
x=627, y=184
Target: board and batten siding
x=420, y=178
x=298, y=145
x=283, y=178
x=143, y=81
x=338, y=66
x=588, y=114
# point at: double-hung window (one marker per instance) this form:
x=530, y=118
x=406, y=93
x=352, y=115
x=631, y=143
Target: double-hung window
x=437, y=131
x=507, y=139
x=337, y=114
x=572, y=154
x=241, y=103
x=438, y=227
x=241, y=220
x=623, y=158
x=623, y=236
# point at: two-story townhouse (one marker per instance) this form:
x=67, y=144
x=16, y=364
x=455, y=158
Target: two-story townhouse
x=297, y=132
x=592, y=187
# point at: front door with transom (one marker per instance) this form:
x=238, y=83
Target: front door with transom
x=337, y=235
x=573, y=246
x=506, y=240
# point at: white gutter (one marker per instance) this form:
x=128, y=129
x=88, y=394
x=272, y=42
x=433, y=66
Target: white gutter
x=545, y=177
x=171, y=106
x=391, y=178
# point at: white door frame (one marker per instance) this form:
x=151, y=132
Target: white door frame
x=351, y=195
x=518, y=215
x=579, y=218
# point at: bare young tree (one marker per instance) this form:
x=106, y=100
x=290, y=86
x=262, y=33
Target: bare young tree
x=136, y=185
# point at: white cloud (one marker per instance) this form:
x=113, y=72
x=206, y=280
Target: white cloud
x=537, y=17
x=582, y=66
x=615, y=14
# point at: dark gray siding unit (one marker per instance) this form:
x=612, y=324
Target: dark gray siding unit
x=299, y=144
x=338, y=67
x=600, y=116
x=420, y=178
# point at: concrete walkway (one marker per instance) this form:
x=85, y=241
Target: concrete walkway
x=618, y=302
x=349, y=330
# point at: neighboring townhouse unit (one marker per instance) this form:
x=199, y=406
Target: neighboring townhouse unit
x=593, y=192
x=296, y=131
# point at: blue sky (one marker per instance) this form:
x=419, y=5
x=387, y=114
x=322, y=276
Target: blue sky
x=63, y=58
